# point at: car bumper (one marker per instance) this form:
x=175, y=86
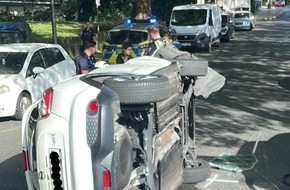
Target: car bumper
x=57, y=155
x=196, y=44
x=7, y=105
x=243, y=27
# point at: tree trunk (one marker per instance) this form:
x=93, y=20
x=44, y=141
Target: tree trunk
x=141, y=9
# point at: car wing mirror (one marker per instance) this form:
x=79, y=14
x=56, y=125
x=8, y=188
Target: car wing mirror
x=36, y=71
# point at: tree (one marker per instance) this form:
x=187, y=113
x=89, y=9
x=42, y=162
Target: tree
x=86, y=9
x=141, y=9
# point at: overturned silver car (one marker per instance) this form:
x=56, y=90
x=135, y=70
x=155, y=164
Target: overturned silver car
x=128, y=126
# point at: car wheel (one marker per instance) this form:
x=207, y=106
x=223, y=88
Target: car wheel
x=199, y=171
x=233, y=35
x=23, y=102
x=139, y=89
x=251, y=27
x=123, y=160
x=227, y=39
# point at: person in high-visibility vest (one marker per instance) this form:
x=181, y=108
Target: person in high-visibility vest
x=127, y=48
x=157, y=41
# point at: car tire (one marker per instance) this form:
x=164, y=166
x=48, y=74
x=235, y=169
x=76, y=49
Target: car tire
x=227, y=39
x=140, y=89
x=208, y=49
x=233, y=35
x=196, y=173
x=251, y=27
x=23, y=102
x=123, y=160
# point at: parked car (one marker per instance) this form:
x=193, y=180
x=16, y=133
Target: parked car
x=135, y=31
x=14, y=32
x=26, y=70
x=228, y=29
x=279, y=3
x=244, y=20
x=128, y=126
x=197, y=26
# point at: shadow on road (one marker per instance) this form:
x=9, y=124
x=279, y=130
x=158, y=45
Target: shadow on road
x=285, y=83
x=12, y=174
x=2, y=119
x=255, y=99
x=273, y=167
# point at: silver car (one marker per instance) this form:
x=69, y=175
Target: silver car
x=244, y=20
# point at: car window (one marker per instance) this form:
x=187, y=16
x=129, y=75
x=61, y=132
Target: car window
x=12, y=62
x=118, y=37
x=241, y=15
x=52, y=56
x=197, y=17
x=36, y=61
x=225, y=20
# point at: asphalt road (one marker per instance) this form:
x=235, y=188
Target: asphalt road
x=253, y=105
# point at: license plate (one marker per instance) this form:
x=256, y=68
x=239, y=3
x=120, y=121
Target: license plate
x=186, y=44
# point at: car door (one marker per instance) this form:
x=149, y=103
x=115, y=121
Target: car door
x=58, y=67
x=36, y=83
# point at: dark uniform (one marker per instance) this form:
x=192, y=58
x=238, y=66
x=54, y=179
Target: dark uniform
x=120, y=58
x=84, y=62
x=153, y=46
x=87, y=35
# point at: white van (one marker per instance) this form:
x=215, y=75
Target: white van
x=197, y=25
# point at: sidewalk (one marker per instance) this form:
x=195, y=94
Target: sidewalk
x=266, y=14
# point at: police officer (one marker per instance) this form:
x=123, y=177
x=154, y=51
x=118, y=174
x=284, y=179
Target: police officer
x=85, y=62
x=156, y=40
x=87, y=35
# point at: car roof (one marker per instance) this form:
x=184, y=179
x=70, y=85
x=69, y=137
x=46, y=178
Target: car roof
x=133, y=26
x=24, y=47
x=241, y=12
x=193, y=6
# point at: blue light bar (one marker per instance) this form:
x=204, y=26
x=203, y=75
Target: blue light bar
x=128, y=21
x=153, y=20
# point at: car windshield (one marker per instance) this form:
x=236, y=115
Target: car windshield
x=242, y=15
x=191, y=17
x=12, y=62
x=118, y=37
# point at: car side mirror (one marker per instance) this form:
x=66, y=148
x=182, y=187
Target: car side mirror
x=36, y=71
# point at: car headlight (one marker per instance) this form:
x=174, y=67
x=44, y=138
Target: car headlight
x=4, y=89
x=202, y=37
x=246, y=23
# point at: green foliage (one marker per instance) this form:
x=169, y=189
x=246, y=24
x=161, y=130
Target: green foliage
x=68, y=11
x=163, y=10
x=115, y=10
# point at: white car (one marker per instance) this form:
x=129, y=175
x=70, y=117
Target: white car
x=244, y=20
x=125, y=126
x=26, y=70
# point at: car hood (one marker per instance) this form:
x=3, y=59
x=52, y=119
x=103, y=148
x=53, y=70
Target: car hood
x=137, y=66
x=5, y=78
x=241, y=19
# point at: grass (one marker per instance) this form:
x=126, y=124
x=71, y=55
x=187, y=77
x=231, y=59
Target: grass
x=42, y=31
